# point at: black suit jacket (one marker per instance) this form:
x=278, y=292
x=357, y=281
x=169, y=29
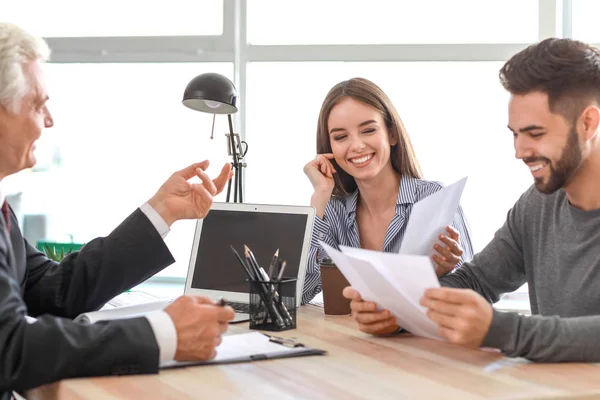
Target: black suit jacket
x=54, y=347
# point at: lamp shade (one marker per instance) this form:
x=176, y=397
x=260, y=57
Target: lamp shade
x=211, y=93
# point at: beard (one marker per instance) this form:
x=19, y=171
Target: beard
x=564, y=169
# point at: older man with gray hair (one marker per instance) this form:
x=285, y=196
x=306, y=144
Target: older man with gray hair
x=53, y=347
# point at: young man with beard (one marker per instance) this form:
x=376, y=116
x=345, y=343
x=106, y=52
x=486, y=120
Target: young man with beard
x=551, y=237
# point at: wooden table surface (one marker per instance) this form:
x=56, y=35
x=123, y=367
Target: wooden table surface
x=357, y=366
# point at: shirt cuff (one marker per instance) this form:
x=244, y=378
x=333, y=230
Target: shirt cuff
x=159, y=223
x=320, y=229
x=165, y=333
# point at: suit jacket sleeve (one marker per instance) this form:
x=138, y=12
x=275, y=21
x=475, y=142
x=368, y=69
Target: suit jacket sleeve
x=104, y=268
x=54, y=348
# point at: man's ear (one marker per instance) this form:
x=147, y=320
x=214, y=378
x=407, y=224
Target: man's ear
x=590, y=120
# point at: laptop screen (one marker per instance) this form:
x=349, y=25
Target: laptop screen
x=216, y=267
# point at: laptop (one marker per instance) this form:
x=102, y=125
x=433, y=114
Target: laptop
x=215, y=272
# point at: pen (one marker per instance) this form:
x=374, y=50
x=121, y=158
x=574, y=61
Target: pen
x=222, y=302
x=284, y=341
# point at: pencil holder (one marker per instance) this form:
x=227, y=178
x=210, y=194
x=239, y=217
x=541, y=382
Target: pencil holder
x=273, y=304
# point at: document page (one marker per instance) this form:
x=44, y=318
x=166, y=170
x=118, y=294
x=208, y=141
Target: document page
x=243, y=347
x=395, y=282
x=350, y=269
x=413, y=274
x=130, y=298
x=131, y=311
x=429, y=217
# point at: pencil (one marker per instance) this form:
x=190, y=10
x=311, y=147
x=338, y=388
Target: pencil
x=283, y=264
x=248, y=271
x=250, y=256
x=273, y=262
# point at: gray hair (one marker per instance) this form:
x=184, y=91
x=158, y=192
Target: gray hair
x=17, y=47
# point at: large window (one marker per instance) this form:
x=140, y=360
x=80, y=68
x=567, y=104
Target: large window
x=391, y=21
x=585, y=20
x=74, y=18
x=119, y=70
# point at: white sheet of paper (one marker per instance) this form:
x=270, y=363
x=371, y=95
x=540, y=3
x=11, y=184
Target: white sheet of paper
x=349, y=270
x=413, y=274
x=245, y=344
x=401, y=283
x=374, y=279
x=130, y=311
x=429, y=217
x=240, y=346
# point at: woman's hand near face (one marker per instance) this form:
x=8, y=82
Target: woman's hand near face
x=320, y=172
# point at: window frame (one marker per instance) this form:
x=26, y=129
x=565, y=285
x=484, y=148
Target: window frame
x=554, y=20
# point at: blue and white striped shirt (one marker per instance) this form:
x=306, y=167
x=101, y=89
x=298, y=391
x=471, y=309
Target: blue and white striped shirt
x=338, y=227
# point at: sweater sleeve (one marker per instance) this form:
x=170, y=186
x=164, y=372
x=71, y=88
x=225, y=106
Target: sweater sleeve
x=545, y=338
x=499, y=268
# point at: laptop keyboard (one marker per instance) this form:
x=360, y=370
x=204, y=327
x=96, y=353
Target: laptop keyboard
x=243, y=308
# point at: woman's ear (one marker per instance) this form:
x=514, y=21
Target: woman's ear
x=393, y=137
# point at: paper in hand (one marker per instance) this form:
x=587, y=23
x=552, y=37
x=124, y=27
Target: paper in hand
x=429, y=218
x=396, y=282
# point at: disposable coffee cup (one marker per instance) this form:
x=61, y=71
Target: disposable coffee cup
x=333, y=283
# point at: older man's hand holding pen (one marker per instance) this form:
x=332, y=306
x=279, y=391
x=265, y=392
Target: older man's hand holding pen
x=199, y=323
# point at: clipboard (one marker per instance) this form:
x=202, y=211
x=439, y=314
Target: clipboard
x=248, y=347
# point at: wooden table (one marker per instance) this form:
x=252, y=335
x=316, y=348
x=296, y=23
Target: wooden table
x=358, y=366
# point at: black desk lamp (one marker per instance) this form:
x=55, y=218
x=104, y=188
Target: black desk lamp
x=215, y=94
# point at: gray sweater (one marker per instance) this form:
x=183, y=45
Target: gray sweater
x=555, y=248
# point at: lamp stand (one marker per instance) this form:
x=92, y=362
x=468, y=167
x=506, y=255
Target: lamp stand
x=234, y=148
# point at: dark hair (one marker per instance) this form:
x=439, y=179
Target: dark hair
x=567, y=70
x=402, y=154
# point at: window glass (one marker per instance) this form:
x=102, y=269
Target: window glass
x=274, y=22
x=74, y=18
x=585, y=20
